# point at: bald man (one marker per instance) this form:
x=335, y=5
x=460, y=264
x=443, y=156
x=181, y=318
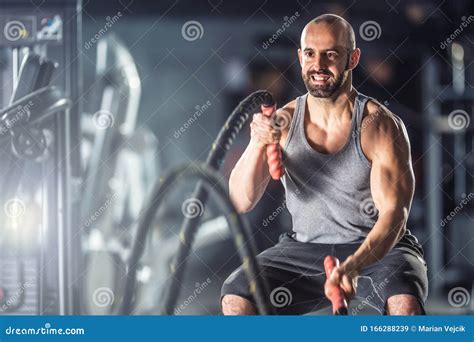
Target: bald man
x=349, y=185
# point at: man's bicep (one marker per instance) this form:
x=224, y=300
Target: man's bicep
x=392, y=179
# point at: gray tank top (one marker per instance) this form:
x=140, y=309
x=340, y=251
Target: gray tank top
x=328, y=195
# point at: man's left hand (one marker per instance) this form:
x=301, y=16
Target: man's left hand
x=343, y=277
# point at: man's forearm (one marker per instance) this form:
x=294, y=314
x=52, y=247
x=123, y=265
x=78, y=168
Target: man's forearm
x=386, y=232
x=249, y=178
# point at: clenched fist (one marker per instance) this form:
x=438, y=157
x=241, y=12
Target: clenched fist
x=263, y=132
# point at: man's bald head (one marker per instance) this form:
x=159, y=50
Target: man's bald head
x=337, y=23
x=327, y=56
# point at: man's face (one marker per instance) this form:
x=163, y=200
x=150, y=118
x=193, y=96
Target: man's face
x=324, y=59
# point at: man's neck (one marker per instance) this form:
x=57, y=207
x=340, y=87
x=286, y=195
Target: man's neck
x=325, y=110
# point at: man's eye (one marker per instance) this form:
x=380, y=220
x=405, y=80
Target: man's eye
x=308, y=54
x=332, y=55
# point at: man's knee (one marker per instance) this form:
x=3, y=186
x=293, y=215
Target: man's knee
x=236, y=305
x=404, y=305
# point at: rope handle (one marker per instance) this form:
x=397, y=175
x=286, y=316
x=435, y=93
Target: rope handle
x=339, y=303
x=275, y=166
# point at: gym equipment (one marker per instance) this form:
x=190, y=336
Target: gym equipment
x=43, y=168
x=120, y=169
x=448, y=138
x=114, y=120
x=221, y=145
x=22, y=127
x=232, y=127
x=240, y=233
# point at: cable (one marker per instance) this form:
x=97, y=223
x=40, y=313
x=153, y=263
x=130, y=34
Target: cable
x=239, y=230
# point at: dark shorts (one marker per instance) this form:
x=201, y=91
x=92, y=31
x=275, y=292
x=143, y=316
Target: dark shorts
x=295, y=276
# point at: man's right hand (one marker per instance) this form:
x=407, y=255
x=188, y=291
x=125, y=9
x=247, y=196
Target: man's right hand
x=262, y=131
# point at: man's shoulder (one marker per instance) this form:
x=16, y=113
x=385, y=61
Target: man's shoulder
x=379, y=122
x=289, y=107
x=285, y=114
x=382, y=130
x=284, y=118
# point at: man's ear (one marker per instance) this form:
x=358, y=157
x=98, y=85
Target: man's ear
x=354, y=59
x=299, y=56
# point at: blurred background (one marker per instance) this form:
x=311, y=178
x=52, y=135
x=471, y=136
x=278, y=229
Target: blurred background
x=101, y=99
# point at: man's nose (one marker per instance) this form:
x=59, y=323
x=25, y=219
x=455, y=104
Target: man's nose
x=317, y=63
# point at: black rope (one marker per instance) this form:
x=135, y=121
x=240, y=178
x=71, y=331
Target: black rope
x=239, y=230
x=225, y=138
x=239, y=116
x=221, y=145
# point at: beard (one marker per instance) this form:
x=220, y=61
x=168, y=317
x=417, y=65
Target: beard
x=324, y=91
